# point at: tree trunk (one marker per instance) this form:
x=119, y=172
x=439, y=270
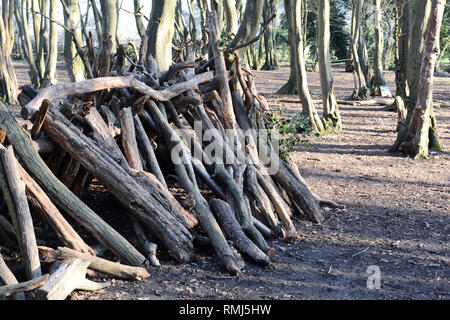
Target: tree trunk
x=250, y=24
x=160, y=32
x=271, y=63
x=8, y=80
x=109, y=21
x=331, y=115
x=416, y=138
x=231, y=16
x=97, y=20
x=53, y=45
x=138, y=16
x=293, y=16
x=419, y=19
x=401, y=36
x=74, y=64
x=378, y=78
x=361, y=90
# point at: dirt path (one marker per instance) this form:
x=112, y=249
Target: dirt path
x=397, y=219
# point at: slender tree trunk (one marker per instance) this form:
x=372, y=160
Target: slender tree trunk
x=419, y=19
x=22, y=19
x=109, y=21
x=331, y=116
x=138, y=16
x=378, y=78
x=97, y=20
x=53, y=46
x=361, y=90
x=250, y=24
x=160, y=32
x=420, y=134
x=231, y=16
x=74, y=64
x=401, y=36
x=271, y=63
x=8, y=80
x=293, y=15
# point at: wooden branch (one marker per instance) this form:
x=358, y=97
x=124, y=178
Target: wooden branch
x=70, y=275
x=149, y=247
x=51, y=214
x=174, y=68
x=32, y=284
x=63, y=90
x=102, y=265
x=147, y=150
x=221, y=73
x=129, y=143
x=8, y=278
x=234, y=231
x=22, y=216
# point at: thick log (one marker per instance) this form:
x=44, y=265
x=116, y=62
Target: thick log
x=51, y=215
x=102, y=265
x=8, y=278
x=62, y=196
x=234, y=231
x=63, y=90
x=70, y=275
x=129, y=143
x=21, y=215
x=8, y=290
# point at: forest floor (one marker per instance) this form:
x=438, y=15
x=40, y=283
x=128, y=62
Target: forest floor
x=396, y=218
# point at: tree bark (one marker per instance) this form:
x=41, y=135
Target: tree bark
x=271, y=63
x=109, y=21
x=415, y=138
x=378, y=78
x=8, y=80
x=160, y=31
x=331, y=115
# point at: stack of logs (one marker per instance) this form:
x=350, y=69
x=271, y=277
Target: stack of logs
x=119, y=127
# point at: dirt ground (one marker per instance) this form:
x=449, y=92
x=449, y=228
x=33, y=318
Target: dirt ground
x=396, y=218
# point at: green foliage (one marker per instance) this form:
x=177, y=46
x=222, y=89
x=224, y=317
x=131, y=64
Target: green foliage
x=292, y=130
x=225, y=39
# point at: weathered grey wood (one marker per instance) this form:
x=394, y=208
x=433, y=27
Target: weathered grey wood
x=147, y=150
x=22, y=216
x=69, y=276
x=234, y=231
x=32, y=284
x=110, y=120
x=102, y=134
x=8, y=278
x=37, y=125
x=134, y=197
x=129, y=143
x=105, y=266
x=63, y=90
x=51, y=215
x=186, y=176
x=62, y=196
x=147, y=246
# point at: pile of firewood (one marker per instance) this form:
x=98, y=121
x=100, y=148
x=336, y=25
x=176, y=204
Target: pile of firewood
x=122, y=127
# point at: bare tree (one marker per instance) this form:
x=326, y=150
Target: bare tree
x=270, y=8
